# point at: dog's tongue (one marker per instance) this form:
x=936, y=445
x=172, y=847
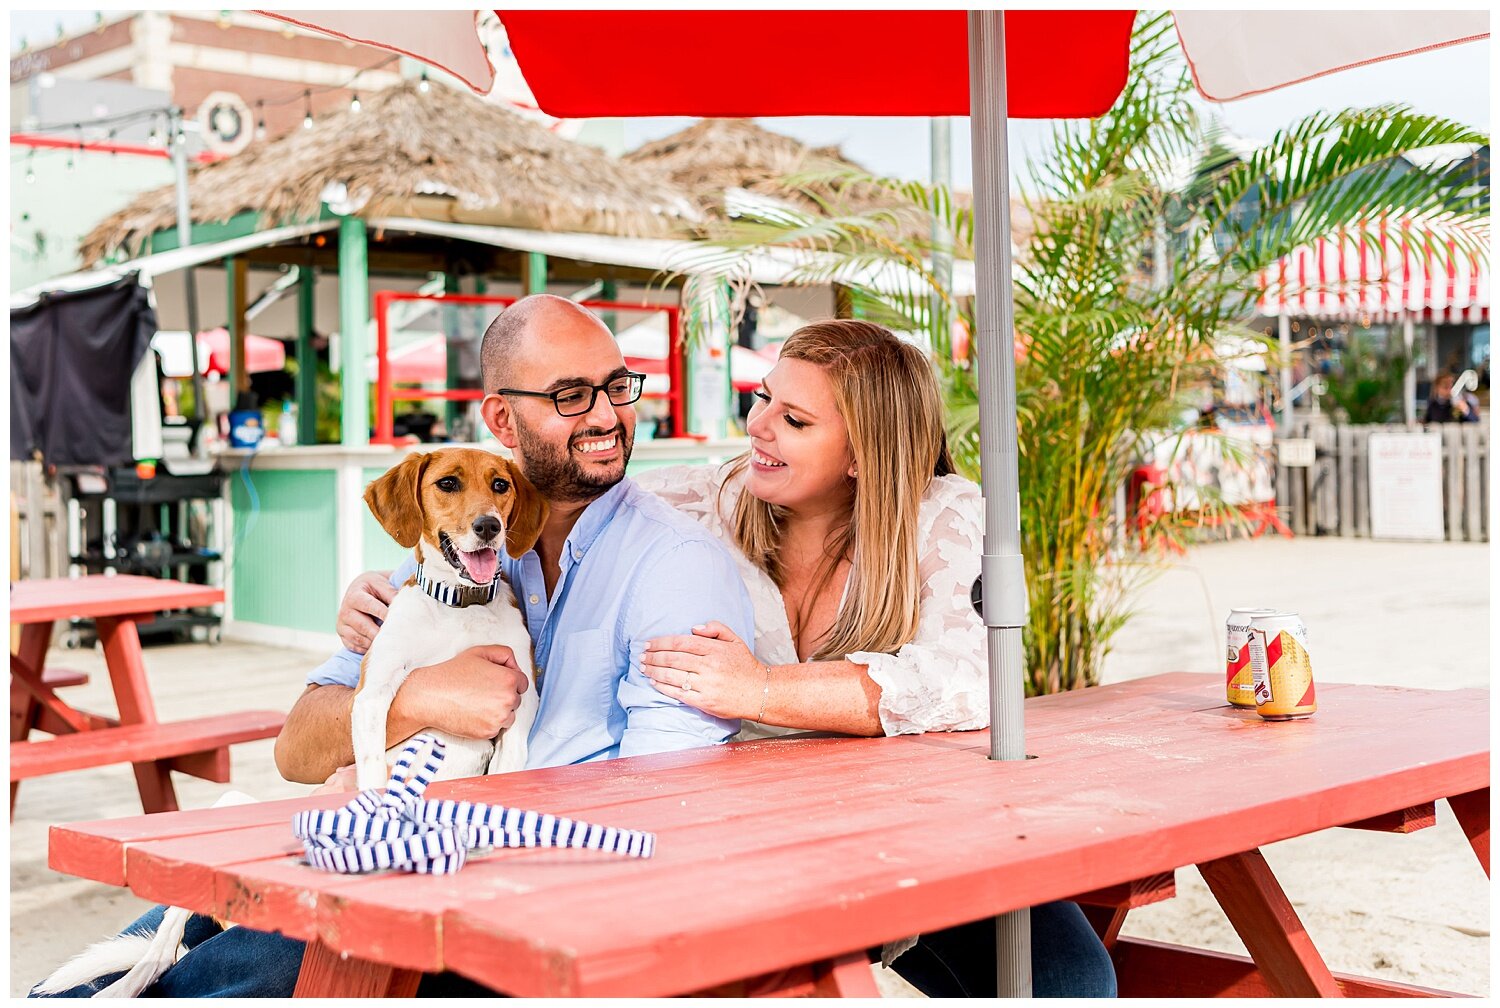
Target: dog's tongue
x=481, y=565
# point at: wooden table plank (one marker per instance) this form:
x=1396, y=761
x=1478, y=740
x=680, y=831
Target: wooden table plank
x=46, y=599
x=753, y=872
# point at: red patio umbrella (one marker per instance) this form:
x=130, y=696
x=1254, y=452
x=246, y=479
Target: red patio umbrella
x=986, y=64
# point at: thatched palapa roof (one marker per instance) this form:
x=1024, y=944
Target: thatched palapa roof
x=443, y=154
x=713, y=156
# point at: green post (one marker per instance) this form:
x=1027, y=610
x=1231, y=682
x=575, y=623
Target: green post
x=307, y=358
x=452, y=410
x=534, y=272
x=354, y=319
x=609, y=291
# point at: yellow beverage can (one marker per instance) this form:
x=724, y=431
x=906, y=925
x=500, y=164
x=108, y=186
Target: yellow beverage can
x=1239, y=690
x=1281, y=667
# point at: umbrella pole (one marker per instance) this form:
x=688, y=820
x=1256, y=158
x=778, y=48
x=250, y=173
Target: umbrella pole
x=1004, y=576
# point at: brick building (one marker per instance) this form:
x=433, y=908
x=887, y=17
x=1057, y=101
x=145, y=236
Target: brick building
x=190, y=54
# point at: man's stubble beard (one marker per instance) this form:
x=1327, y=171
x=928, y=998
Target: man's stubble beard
x=557, y=473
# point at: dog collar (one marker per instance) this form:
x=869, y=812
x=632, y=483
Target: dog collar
x=458, y=596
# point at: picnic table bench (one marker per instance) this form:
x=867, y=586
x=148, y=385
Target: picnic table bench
x=197, y=746
x=779, y=861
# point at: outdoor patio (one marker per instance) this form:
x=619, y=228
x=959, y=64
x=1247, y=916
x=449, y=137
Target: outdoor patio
x=1422, y=919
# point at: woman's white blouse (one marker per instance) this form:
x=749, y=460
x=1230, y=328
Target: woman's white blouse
x=937, y=682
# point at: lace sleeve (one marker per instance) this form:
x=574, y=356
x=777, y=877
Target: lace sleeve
x=693, y=489
x=940, y=681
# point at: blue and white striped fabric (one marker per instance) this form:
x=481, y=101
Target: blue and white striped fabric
x=394, y=828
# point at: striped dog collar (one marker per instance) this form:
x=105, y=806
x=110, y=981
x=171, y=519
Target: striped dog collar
x=394, y=828
x=458, y=596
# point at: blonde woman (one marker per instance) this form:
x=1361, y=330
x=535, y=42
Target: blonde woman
x=859, y=546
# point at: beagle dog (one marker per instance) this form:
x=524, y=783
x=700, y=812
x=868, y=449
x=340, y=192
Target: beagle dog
x=456, y=507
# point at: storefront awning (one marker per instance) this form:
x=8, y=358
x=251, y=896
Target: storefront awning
x=1382, y=271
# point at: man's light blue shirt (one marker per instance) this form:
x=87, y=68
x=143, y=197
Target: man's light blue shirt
x=632, y=569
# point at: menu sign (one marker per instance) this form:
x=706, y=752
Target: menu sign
x=1406, y=486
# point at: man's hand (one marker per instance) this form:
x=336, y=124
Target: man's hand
x=365, y=601
x=472, y=695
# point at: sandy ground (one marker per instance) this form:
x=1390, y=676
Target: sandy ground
x=1408, y=908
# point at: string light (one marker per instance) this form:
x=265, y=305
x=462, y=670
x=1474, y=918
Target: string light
x=354, y=103
x=307, y=115
x=422, y=85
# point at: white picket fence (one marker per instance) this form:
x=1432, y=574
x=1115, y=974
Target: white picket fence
x=1332, y=496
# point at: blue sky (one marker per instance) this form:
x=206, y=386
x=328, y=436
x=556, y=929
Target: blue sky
x=1453, y=82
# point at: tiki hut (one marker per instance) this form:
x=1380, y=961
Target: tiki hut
x=714, y=156
x=439, y=155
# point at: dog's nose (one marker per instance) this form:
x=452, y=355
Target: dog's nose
x=486, y=527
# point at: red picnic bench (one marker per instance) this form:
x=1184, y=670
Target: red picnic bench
x=197, y=746
x=779, y=861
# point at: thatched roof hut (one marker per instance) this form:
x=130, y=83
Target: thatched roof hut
x=713, y=156
x=442, y=154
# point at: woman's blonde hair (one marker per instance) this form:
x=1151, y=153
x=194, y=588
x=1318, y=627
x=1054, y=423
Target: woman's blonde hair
x=888, y=396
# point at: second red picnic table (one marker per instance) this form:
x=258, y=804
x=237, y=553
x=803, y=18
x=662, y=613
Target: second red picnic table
x=80, y=739
x=778, y=862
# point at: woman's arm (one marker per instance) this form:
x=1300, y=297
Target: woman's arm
x=713, y=670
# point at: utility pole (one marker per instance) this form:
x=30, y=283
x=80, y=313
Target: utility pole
x=177, y=144
x=941, y=132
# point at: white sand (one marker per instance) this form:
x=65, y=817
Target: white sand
x=1409, y=908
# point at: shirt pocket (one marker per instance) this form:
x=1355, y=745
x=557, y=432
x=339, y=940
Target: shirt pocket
x=579, y=687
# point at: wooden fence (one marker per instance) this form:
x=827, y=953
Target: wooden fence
x=39, y=523
x=1332, y=495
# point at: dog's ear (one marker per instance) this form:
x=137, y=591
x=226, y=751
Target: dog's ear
x=396, y=499
x=528, y=514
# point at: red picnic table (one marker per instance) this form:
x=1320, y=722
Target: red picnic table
x=198, y=747
x=779, y=861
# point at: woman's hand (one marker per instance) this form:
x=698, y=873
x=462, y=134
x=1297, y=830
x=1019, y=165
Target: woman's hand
x=341, y=780
x=364, y=603
x=711, y=670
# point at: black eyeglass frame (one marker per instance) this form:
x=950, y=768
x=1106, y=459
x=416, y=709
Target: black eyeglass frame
x=594, y=390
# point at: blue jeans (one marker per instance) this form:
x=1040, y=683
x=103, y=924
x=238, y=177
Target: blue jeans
x=1067, y=960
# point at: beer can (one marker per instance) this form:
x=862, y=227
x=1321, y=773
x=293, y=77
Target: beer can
x=1238, y=688
x=1281, y=667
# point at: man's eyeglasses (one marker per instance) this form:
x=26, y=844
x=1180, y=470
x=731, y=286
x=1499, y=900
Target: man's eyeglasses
x=576, y=400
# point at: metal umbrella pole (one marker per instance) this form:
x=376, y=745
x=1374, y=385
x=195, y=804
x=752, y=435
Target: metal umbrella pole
x=1004, y=605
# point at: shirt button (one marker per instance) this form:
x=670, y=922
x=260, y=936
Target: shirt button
x=578, y=554
x=533, y=600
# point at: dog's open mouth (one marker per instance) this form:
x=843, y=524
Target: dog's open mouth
x=479, y=566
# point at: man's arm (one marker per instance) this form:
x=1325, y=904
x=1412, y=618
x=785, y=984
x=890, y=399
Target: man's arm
x=472, y=695
x=689, y=585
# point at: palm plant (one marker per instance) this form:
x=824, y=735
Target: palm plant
x=1120, y=295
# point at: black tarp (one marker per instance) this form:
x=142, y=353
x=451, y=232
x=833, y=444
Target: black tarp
x=71, y=357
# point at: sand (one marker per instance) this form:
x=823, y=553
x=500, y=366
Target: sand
x=1411, y=908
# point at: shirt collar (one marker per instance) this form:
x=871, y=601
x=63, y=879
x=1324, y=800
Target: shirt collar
x=594, y=519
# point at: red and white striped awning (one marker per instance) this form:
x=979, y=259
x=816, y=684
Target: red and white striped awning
x=1382, y=271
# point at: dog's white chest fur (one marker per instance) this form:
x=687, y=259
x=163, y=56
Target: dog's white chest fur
x=420, y=631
